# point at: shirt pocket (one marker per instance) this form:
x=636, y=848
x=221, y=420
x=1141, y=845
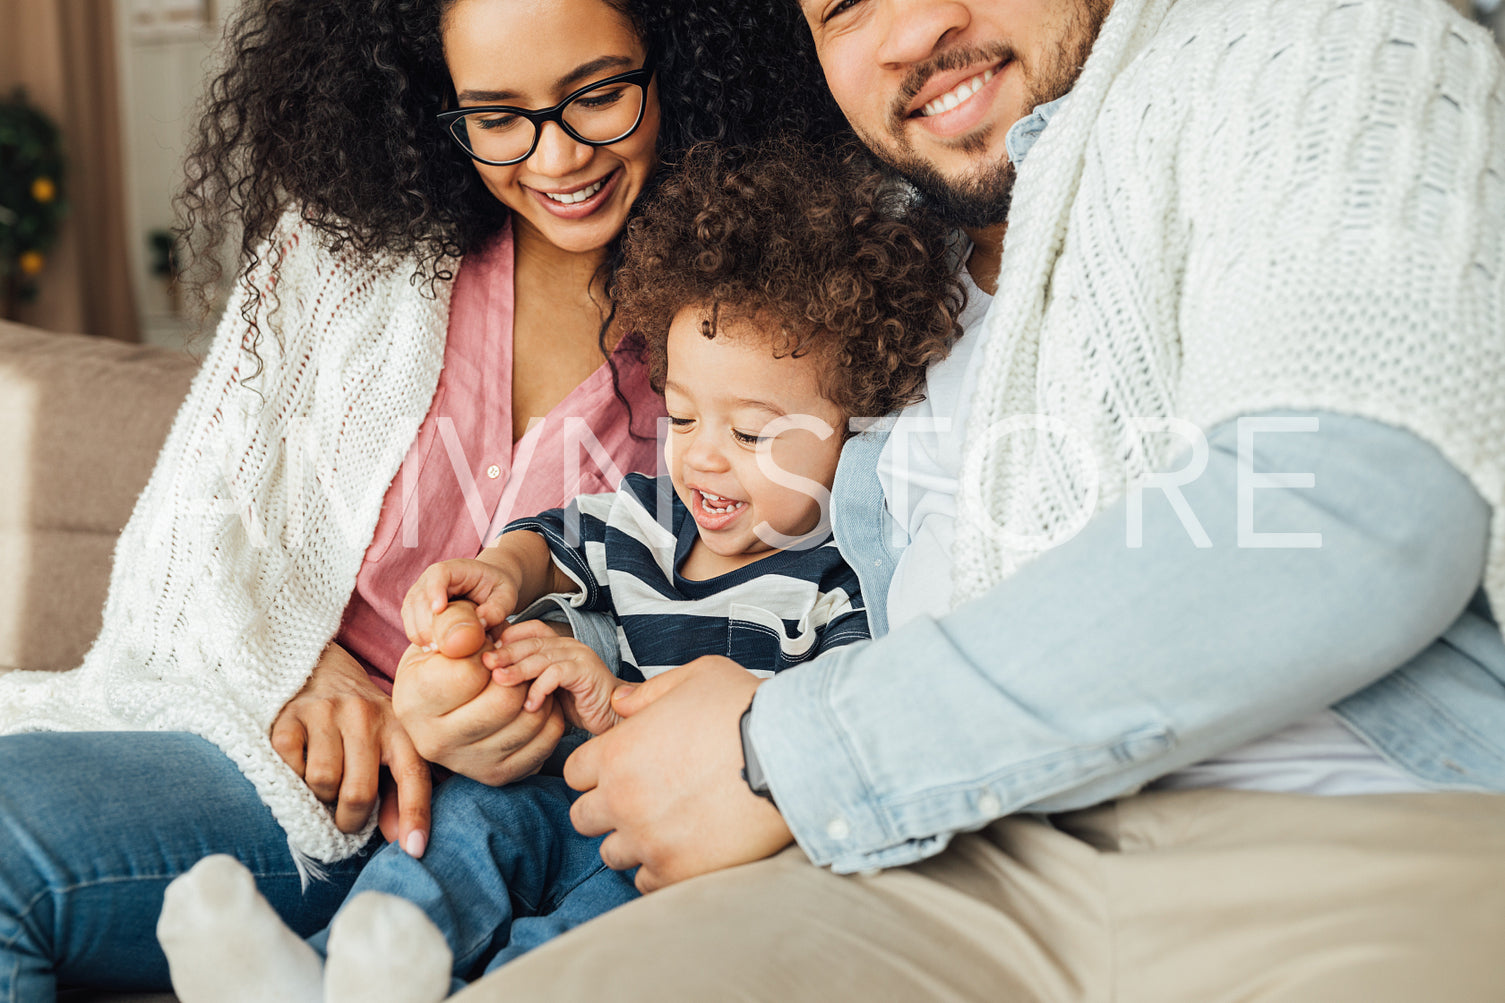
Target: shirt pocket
x=761, y=642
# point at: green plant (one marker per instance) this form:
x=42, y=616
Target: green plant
x=32, y=203
x=162, y=245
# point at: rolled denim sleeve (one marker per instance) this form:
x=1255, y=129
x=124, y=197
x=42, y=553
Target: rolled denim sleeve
x=1101, y=666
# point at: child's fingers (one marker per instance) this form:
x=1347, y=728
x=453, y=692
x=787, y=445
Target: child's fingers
x=409, y=623
x=515, y=644
x=436, y=590
x=499, y=653
x=497, y=607
x=524, y=660
x=569, y=666
x=415, y=615
x=428, y=597
x=511, y=675
x=529, y=629
x=447, y=579
x=547, y=682
x=510, y=669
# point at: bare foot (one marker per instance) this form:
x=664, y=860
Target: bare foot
x=224, y=944
x=382, y=947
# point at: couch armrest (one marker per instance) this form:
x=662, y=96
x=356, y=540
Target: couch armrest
x=81, y=421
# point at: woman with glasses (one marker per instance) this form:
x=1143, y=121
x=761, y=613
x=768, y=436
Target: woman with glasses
x=425, y=196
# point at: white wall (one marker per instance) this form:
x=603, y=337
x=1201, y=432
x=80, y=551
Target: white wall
x=164, y=69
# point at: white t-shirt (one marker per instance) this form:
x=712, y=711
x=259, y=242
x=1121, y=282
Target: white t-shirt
x=918, y=470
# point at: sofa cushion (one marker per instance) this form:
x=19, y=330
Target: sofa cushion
x=81, y=421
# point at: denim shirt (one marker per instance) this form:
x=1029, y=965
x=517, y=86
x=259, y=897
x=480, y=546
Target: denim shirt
x=1100, y=667
x=1023, y=133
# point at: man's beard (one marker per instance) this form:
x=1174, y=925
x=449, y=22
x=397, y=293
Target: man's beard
x=981, y=197
x=974, y=201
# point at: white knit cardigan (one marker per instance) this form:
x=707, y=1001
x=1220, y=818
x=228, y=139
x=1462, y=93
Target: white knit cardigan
x=1245, y=205
x=235, y=567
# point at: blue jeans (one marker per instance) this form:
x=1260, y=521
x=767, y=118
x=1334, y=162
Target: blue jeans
x=504, y=872
x=92, y=828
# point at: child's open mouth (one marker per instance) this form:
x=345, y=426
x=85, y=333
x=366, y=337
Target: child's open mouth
x=713, y=511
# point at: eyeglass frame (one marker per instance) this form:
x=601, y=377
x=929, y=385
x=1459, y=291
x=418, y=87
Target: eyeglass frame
x=642, y=76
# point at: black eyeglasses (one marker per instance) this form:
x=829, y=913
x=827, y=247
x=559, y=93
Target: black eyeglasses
x=598, y=114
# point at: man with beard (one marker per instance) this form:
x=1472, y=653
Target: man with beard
x=1190, y=688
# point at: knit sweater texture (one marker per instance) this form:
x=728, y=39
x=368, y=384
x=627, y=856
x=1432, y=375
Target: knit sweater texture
x=1246, y=205
x=234, y=569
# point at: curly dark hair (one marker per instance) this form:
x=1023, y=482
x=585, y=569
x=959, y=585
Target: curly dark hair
x=819, y=247
x=328, y=105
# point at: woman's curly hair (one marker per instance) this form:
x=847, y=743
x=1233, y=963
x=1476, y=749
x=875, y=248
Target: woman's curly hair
x=328, y=105
x=818, y=247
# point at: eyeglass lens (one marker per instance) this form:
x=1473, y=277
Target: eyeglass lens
x=600, y=115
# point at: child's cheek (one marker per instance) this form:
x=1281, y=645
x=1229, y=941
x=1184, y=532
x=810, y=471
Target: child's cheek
x=670, y=454
x=798, y=452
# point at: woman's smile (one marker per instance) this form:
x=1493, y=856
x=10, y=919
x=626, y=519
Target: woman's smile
x=580, y=201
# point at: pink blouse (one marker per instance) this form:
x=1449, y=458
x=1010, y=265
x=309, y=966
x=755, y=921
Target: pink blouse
x=464, y=478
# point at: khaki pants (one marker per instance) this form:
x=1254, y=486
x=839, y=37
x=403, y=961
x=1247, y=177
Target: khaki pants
x=1197, y=896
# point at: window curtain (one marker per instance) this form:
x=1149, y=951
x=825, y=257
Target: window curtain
x=64, y=53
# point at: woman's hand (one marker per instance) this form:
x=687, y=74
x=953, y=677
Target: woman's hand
x=460, y=718
x=556, y=664
x=490, y=588
x=338, y=732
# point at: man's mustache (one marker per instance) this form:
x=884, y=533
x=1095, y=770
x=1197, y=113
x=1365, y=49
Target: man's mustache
x=955, y=58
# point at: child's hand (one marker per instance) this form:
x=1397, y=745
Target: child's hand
x=531, y=650
x=492, y=589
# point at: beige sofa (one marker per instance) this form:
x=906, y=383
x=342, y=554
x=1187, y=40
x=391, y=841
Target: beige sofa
x=81, y=420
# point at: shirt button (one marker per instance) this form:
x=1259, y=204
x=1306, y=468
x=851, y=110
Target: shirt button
x=989, y=804
x=493, y=471
x=838, y=829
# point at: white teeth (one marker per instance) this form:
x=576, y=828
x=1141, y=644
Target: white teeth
x=570, y=198
x=712, y=503
x=963, y=91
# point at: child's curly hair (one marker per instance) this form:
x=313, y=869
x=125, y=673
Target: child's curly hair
x=821, y=244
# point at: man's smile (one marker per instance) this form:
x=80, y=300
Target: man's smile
x=929, y=107
x=952, y=93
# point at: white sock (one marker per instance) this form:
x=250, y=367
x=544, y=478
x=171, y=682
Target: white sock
x=382, y=947
x=224, y=943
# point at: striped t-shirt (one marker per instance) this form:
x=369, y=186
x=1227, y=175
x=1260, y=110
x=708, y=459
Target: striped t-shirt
x=778, y=611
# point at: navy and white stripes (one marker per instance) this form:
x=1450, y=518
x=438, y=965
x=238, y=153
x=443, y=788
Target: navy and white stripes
x=624, y=549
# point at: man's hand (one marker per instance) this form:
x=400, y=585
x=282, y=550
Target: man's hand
x=666, y=782
x=459, y=718
x=337, y=733
x=556, y=664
